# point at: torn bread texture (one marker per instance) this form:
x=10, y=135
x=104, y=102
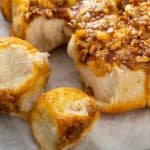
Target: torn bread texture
x=118, y=91
x=62, y=117
x=23, y=76
x=51, y=35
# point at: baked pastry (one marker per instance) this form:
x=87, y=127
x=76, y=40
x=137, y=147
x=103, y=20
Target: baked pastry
x=41, y=22
x=23, y=76
x=112, y=56
x=62, y=117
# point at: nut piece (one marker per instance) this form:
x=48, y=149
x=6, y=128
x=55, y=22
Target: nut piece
x=62, y=117
x=102, y=36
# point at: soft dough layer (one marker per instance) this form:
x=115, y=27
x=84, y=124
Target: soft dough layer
x=52, y=33
x=120, y=90
x=23, y=76
x=62, y=117
x=12, y=60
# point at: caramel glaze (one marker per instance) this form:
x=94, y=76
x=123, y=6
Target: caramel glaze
x=8, y=103
x=130, y=49
x=73, y=131
x=46, y=8
x=75, y=12
x=79, y=13
x=117, y=40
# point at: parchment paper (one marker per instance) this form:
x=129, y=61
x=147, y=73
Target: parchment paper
x=127, y=131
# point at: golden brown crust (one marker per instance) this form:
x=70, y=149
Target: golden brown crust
x=118, y=107
x=71, y=126
x=5, y=6
x=6, y=42
x=11, y=99
x=147, y=90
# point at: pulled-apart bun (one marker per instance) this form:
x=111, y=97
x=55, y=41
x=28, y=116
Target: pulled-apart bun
x=62, y=117
x=23, y=76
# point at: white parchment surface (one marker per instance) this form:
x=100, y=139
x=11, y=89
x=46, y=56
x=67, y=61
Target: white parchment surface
x=127, y=131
